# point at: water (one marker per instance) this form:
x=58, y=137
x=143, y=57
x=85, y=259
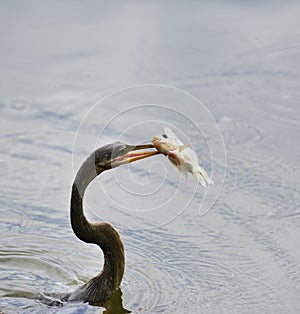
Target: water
x=232, y=248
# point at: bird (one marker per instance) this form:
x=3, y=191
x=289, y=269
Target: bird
x=100, y=288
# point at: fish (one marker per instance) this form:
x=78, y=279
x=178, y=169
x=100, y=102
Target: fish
x=181, y=156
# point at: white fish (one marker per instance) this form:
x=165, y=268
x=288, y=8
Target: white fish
x=181, y=156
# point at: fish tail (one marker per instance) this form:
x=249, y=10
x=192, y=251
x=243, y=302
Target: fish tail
x=201, y=173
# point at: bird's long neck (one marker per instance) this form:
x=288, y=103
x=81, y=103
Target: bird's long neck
x=102, y=234
x=81, y=226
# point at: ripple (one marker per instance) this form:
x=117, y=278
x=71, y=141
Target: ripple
x=268, y=75
x=149, y=283
x=27, y=278
x=35, y=278
x=19, y=104
x=237, y=133
x=270, y=182
x=166, y=276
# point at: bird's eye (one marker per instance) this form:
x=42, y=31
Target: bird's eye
x=122, y=148
x=164, y=136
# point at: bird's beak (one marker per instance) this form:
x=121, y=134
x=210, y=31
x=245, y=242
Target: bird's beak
x=134, y=155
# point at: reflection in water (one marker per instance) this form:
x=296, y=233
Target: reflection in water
x=114, y=305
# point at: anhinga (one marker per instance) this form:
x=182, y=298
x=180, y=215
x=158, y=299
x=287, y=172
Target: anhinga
x=99, y=289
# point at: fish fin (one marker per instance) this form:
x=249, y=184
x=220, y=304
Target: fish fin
x=200, y=179
x=200, y=172
x=183, y=147
x=184, y=172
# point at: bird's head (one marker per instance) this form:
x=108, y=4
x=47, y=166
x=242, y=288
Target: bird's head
x=118, y=153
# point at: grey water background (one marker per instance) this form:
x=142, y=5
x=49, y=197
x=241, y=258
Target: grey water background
x=241, y=59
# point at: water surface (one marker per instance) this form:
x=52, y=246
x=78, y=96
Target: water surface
x=231, y=249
